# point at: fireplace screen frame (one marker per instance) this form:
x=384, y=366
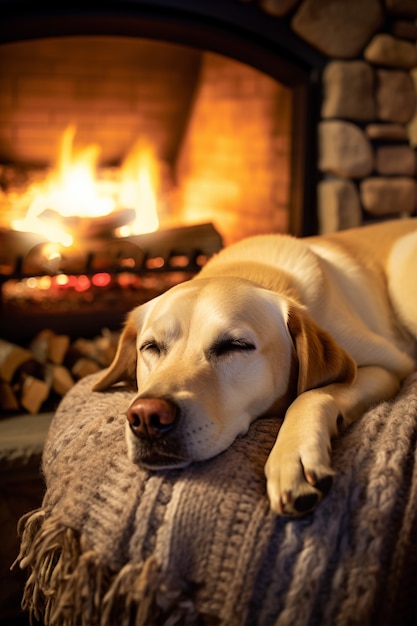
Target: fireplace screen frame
x=235, y=29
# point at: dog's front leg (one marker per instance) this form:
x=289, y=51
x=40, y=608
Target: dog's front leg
x=298, y=469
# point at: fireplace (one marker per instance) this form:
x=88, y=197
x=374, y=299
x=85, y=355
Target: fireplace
x=221, y=105
x=228, y=96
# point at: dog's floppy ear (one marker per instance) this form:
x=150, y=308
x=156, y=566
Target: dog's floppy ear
x=123, y=367
x=321, y=360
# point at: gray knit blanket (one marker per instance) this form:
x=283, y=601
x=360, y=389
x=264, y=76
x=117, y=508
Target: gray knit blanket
x=115, y=545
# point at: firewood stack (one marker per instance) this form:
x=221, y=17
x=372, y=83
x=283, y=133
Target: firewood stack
x=49, y=367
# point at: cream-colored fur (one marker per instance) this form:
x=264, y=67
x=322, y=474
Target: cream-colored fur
x=317, y=329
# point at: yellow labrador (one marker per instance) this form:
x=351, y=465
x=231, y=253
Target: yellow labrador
x=317, y=328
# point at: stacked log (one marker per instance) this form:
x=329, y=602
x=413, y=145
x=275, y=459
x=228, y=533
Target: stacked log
x=45, y=370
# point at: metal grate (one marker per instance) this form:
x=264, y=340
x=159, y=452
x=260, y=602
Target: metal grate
x=95, y=282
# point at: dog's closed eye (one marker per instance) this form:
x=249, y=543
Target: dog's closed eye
x=151, y=346
x=221, y=347
x=227, y=345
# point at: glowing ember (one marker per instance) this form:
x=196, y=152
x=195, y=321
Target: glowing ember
x=73, y=190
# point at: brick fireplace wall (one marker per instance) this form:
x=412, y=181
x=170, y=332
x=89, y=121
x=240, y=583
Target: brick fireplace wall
x=112, y=89
x=367, y=132
x=225, y=158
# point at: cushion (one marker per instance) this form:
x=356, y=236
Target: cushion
x=116, y=544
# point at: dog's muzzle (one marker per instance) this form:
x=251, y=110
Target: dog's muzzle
x=151, y=418
x=157, y=446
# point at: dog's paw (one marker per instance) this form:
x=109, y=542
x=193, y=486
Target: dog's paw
x=297, y=481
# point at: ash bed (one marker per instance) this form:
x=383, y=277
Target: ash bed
x=114, y=544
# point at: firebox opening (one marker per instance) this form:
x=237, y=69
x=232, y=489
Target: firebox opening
x=220, y=131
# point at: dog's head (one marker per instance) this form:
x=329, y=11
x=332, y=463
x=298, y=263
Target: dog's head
x=211, y=355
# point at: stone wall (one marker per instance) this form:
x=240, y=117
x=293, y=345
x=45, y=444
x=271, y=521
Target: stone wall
x=367, y=133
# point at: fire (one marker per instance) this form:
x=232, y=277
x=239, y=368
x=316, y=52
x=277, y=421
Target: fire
x=139, y=179
x=74, y=190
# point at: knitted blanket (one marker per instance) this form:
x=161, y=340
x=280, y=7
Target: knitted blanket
x=116, y=545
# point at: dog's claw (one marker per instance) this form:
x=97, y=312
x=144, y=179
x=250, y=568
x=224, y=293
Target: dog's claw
x=323, y=484
x=311, y=477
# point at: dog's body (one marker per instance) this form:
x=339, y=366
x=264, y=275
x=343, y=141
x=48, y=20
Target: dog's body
x=317, y=329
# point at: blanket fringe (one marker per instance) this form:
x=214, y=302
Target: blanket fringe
x=69, y=587
x=141, y=596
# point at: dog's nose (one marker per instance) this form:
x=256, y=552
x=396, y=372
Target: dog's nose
x=151, y=417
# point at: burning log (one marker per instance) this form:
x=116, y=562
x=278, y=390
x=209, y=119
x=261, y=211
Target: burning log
x=23, y=254
x=14, y=247
x=87, y=227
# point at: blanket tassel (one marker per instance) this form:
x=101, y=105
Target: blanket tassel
x=69, y=587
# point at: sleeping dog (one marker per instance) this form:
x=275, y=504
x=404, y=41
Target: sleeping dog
x=317, y=329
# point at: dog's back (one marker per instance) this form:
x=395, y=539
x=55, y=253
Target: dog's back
x=348, y=281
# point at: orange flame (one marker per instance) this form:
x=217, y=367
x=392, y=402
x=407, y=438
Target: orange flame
x=73, y=189
x=139, y=180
